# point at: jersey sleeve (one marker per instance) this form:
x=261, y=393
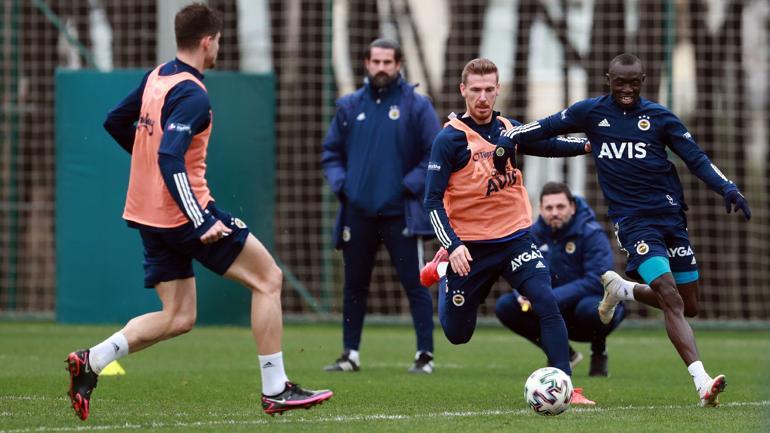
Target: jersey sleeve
x=440, y=168
x=683, y=145
x=187, y=112
x=564, y=122
x=121, y=120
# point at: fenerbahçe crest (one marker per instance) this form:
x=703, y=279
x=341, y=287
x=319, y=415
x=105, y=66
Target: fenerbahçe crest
x=642, y=248
x=394, y=113
x=569, y=247
x=644, y=123
x=457, y=298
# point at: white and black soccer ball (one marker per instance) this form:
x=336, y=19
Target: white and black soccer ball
x=548, y=391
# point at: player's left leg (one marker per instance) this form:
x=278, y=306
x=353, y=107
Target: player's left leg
x=460, y=296
x=256, y=269
x=243, y=258
x=403, y=253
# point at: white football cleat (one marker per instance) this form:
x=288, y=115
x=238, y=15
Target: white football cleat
x=709, y=393
x=612, y=283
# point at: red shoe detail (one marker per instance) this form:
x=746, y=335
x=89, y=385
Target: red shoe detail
x=579, y=398
x=710, y=398
x=429, y=273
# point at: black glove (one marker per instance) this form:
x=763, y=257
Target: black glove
x=504, y=151
x=734, y=200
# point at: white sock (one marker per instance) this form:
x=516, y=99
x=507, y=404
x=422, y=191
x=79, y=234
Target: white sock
x=273, y=375
x=107, y=351
x=441, y=269
x=354, y=356
x=698, y=373
x=626, y=290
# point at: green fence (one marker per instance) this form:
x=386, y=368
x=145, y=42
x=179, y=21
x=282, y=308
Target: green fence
x=99, y=259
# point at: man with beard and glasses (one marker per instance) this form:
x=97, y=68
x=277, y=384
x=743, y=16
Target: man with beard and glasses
x=165, y=124
x=630, y=136
x=375, y=157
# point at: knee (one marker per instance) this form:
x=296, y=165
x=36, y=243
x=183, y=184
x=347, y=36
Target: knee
x=457, y=334
x=669, y=297
x=270, y=283
x=458, y=338
x=275, y=280
x=182, y=323
x=691, y=310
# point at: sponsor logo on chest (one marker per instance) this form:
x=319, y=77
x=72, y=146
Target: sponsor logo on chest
x=623, y=150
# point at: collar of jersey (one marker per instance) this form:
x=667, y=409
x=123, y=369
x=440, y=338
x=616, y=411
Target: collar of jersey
x=176, y=66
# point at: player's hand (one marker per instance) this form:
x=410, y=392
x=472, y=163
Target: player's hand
x=215, y=233
x=460, y=260
x=504, y=151
x=587, y=147
x=734, y=200
x=524, y=303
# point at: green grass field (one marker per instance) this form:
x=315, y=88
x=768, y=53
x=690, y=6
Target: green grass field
x=207, y=381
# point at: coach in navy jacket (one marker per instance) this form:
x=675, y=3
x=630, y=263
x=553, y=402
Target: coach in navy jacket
x=375, y=158
x=380, y=166
x=577, y=253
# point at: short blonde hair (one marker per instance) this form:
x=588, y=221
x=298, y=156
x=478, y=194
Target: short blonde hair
x=480, y=66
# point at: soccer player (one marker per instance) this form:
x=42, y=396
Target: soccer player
x=482, y=217
x=170, y=205
x=577, y=253
x=629, y=136
x=375, y=156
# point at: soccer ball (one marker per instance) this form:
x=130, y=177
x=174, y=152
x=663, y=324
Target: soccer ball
x=548, y=391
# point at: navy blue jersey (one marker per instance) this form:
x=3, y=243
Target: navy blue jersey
x=450, y=153
x=629, y=147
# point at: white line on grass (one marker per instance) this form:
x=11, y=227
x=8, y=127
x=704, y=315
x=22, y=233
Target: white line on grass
x=345, y=419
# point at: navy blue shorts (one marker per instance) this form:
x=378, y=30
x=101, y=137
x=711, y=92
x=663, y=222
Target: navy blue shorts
x=516, y=260
x=655, y=245
x=168, y=254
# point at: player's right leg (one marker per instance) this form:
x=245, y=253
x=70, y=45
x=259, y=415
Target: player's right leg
x=256, y=269
x=171, y=275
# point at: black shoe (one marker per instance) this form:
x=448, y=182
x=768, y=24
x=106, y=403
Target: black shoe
x=82, y=382
x=294, y=397
x=423, y=363
x=598, y=365
x=343, y=363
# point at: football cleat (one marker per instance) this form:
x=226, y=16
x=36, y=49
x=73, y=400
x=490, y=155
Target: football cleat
x=598, y=365
x=612, y=282
x=574, y=358
x=82, y=382
x=429, y=273
x=343, y=363
x=579, y=398
x=294, y=397
x=709, y=393
x=423, y=363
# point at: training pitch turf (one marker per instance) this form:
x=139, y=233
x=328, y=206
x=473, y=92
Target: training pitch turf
x=207, y=381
